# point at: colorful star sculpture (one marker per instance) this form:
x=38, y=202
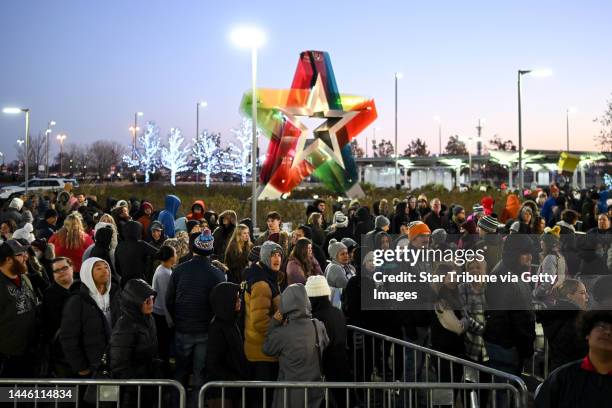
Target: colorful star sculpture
x=291, y=155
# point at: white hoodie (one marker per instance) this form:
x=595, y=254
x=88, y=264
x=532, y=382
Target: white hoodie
x=103, y=301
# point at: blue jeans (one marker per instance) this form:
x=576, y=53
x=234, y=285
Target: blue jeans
x=503, y=359
x=191, y=352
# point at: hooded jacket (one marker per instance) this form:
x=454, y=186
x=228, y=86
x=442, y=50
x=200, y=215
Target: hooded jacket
x=335, y=360
x=293, y=341
x=511, y=209
x=188, y=294
x=225, y=359
x=192, y=215
x=133, y=255
x=168, y=215
x=261, y=301
x=101, y=249
x=223, y=233
x=85, y=329
x=133, y=344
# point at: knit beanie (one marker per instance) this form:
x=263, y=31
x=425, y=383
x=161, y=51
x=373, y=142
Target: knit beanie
x=381, y=221
x=203, y=244
x=334, y=248
x=317, y=286
x=340, y=219
x=254, y=254
x=478, y=209
x=488, y=224
x=438, y=236
x=349, y=243
x=267, y=249
x=418, y=228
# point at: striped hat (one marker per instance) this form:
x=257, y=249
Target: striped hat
x=203, y=245
x=488, y=223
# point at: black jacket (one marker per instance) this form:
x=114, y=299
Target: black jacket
x=54, y=299
x=338, y=234
x=399, y=217
x=44, y=230
x=559, y=324
x=188, y=295
x=133, y=343
x=571, y=386
x=133, y=255
x=225, y=359
x=84, y=332
x=335, y=360
x=18, y=317
x=435, y=221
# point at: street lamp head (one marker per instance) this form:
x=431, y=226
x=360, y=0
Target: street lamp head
x=52, y=123
x=437, y=118
x=399, y=75
x=12, y=111
x=571, y=110
x=202, y=104
x=139, y=113
x=539, y=72
x=248, y=37
x=20, y=142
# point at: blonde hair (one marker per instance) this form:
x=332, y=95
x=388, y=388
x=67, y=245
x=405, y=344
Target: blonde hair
x=237, y=242
x=71, y=235
x=108, y=219
x=314, y=219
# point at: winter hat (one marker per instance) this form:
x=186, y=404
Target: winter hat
x=487, y=202
x=317, y=286
x=121, y=203
x=438, y=236
x=334, y=248
x=381, y=221
x=354, y=203
x=180, y=224
x=156, y=225
x=488, y=223
x=16, y=203
x=146, y=204
x=457, y=210
x=254, y=254
x=551, y=236
x=25, y=233
x=340, y=219
x=203, y=244
x=516, y=245
x=418, y=228
x=478, y=209
x=349, y=243
x=267, y=250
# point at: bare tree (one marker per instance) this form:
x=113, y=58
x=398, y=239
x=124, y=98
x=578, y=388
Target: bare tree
x=74, y=159
x=103, y=154
x=36, y=152
x=604, y=138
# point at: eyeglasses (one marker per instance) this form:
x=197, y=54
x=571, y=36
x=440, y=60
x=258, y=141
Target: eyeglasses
x=603, y=326
x=62, y=269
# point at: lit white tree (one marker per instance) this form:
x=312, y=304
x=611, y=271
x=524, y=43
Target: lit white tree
x=244, y=134
x=147, y=158
x=208, y=157
x=174, y=157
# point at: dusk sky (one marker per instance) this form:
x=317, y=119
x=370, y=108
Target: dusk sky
x=89, y=65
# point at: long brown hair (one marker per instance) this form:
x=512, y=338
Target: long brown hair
x=300, y=254
x=236, y=241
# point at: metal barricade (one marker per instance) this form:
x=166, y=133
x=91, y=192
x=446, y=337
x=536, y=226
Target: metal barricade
x=315, y=394
x=108, y=393
x=377, y=357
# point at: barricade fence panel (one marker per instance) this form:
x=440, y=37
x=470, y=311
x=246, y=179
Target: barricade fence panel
x=246, y=394
x=76, y=393
x=380, y=358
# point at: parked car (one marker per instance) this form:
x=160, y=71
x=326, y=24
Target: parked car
x=38, y=185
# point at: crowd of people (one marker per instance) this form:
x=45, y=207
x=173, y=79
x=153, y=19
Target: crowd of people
x=192, y=294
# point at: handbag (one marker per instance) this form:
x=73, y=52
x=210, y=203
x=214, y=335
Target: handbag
x=102, y=393
x=319, y=351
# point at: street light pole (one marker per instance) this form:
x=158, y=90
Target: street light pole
x=134, y=140
x=254, y=134
x=568, y=112
x=398, y=75
x=47, y=133
x=437, y=119
x=26, y=140
x=61, y=139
